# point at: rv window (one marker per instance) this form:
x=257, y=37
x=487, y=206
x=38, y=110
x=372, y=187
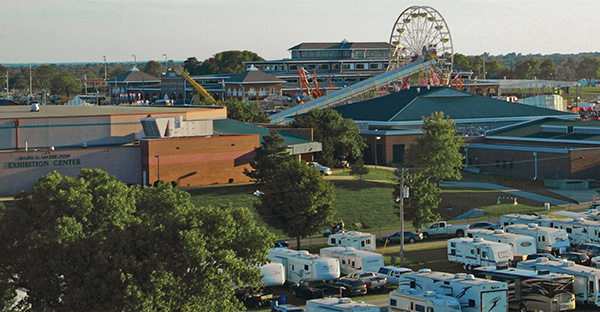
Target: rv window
x=419, y=308
x=569, y=230
x=343, y=261
x=369, y=241
x=470, y=235
x=543, y=238
x=484, y=254
x=393, y=302
x=472, y=251
x=353, y=264
x=362, y=244
x=333, y=241
x=384, y=270
x=471, y=302
x=429, y=309
x=413, y=284
x=412, y=307
x=526, y=244
x=453, y=252
x=292, y=267
x=452, y=244
x=306, y=267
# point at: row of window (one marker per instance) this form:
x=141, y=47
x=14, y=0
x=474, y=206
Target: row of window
x=328, y=54
x=324, y=67
x=251, y=91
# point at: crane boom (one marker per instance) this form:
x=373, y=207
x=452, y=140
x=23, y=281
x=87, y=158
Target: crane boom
x=199, y=88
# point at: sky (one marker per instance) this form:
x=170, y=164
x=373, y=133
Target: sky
x=65, y=31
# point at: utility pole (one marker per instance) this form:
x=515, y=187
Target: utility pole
x=7, y=90
x=30, y=82
x=105, y=73
x=400, y=199
x=166, y=67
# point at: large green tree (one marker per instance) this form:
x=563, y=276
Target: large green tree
x=92, y=243
x=589, y=68
x=228, y=62
x=437, y=152
x=269, y=156
x=246, y=112
x=296, y=200
x=339, y=136
x=154, y=68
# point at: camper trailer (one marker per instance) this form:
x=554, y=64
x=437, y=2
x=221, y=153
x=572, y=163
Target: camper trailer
x=517, y=218
x=587, y=279
x=533, y=291
x=473, y=252
x=548, y=240
x=300, y=263
x=339, y=305
x=352, y=260
x=357, y=240
x=580, y=230
x=522, y=245
x=411, y=300
x=273, y=274
x=474, y=294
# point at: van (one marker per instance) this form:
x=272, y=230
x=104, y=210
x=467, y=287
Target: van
x=392, y=273
x=592, y=250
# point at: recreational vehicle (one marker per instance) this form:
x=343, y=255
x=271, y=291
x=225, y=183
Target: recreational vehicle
x=339, y=305
x=587, y=279
x=300, y=263
x=411, y=300
x=522, y=245
x=357, y=240
x=273, y=274
x=352, y=260
x=549, y=240
x=580, y=230
x=517, y=218
x=533, y=291
x=474, y=294
x=473, y=252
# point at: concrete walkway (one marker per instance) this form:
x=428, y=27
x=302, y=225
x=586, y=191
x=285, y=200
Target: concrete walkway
x=515, y=192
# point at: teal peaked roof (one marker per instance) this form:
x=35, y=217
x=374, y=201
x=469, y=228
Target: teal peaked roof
x=231, y=126
x=412, y=104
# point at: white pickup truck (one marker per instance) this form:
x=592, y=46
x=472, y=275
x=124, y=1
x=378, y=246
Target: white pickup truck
x=441, y=228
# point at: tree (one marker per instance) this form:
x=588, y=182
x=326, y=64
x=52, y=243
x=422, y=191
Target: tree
x=92, y=243
x=296, y=200
x=526, y=69
x=359, y=169
x=192, y=65
x=339, y=136
x=437, y=152
x=245, y=112
x=548, y=70
x=154, y=68
x=68, y=84
x=424, y=198
x=589, y=68
x=269, y=156
x=228, y=62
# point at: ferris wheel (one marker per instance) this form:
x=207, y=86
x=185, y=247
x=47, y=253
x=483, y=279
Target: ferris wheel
x=419, y=30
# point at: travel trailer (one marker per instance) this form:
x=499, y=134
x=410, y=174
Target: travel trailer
x=533, y=291
x=339, y=305
x=587, y=279
x=273, y=274
x=517, y=218
x=474, y=294
x=300, y=263
x=474, y=252
x=522, y=245
x=548, y=240
x=357, y=240
x=352, y=260
x=580, y=230
x=411, y=300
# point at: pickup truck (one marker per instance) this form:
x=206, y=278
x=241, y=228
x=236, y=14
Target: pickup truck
x=371, y=279
x=254, y=298
x=392, y=273
x=441, y=228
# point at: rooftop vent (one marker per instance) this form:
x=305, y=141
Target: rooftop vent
x=429, y=293
x=345, y=300
x=543, y=272
x=532, y=225
x=470, y=277
x=425, y=271
x=555, y=129
x=586, y=130
x=498, y=231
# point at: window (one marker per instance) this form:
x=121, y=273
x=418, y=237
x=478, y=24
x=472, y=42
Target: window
x=335, y=66
x=251, y=92
x=262, y=92
x=333, y=241
x=375, y=65
x=273, y=91
x=472, y=251
x=361, y=66
x=419, y=308
x=343, y=261
x=484, y=254
x=305, y=267
x=347, y=66
x=453, y=252
x=228, y=91
x=471, y=302
x=393, y=302
x=430, y=309
x=324, y=66
x=362, y=244
x=452, y=244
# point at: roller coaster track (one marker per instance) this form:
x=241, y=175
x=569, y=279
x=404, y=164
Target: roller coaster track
x=347, y=93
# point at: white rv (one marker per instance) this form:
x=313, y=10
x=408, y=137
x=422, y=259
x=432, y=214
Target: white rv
x=547, y=239
x=411, y=300
x=300, y=263
x=587, y=279
x=533, y=291
x=357, y=240
x=332, y=304
x=474, y=294
x=473, y=252
x=273, y=274
x=580, y=230
x=352, y=260
x=522, y=245
x=517, y=218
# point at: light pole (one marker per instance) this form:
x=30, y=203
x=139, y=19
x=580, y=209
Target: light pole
x=157, y=167
x=105, y=73
x=400, y=200
x=166, y=67
x=134, y=60
x=377, y=138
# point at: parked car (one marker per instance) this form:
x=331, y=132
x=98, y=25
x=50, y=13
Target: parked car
x=592, y=250
x=409, y=237
x=324, y=170
x=483, y=225
x=577, y=257
x=351, y=286
x=282, y=244
x=311, y=288
x=372, y=280
x=254, y=298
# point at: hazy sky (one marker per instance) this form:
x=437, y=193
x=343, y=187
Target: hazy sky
x=53, y=31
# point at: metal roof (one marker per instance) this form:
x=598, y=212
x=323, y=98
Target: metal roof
x=565, y=131
x=253, y=75
x=134, y=75
x=343, y=45
x=231, y=126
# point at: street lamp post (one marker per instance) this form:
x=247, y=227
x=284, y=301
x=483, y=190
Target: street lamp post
x=400, y=199
x=377, y=138
x=157, y=167
x=166, y=67
x=105, y=73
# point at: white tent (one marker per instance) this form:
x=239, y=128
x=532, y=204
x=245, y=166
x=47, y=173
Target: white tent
x=78, y=101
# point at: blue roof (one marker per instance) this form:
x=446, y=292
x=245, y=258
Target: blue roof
x=233, y=127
